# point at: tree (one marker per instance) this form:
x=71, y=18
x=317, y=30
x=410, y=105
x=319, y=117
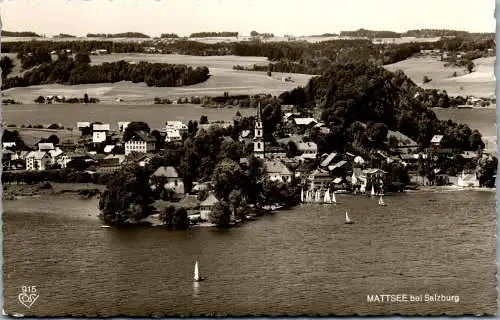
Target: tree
x=221, y=215
x=180, y=219
x=134, y=127
x=86, y=98
x=127, y=198
x=40, y=99
x=82, y=58
x=167, y=216
x=53, y=139
x=235, y=201
x=476, y=141
x=6, y=65
x=226, y=177
x=203, y=119
x=486, y=170
x=426, y=79
x=470, y=66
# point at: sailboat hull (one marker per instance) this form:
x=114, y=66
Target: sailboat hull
x=199, y=280
x=349, y=222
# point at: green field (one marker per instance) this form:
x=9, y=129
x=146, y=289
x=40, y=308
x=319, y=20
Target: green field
x=223, y=79
x=480, y=83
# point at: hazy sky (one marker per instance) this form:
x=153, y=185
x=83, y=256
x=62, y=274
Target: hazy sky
x=297, y=17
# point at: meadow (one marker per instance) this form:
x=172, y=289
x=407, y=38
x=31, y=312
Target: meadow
x=480, y=83
x=222, y=79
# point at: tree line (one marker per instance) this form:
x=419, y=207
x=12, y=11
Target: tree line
x=67, y=70
x=6, y=33
x=118, y=35
x=213, y=34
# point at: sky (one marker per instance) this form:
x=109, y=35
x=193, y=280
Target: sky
x=295, y=17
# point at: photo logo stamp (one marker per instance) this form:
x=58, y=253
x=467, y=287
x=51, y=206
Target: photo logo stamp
x=28, y=296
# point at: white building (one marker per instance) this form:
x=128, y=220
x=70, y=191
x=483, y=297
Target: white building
x=207, y=205
x=176, y=125
x=173, y=135
x=99, y=132
x=37, y=160
x=140, y=142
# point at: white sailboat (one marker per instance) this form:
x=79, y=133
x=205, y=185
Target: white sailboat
x=381, y=202
x=318, y=196
x=302, y=195
x=197, y=277
x=362, y=189
x=347, y=219
x=372, y=192
x=327, y=198
x=334, y=199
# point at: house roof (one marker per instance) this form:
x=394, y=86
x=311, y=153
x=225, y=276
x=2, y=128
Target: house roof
x=176, y=124
x=168, y=172
x=209, y=201
x=304, y=121
x=307, y=146
x=372, y=171
x=288, y=115
x=82, y=124
x=328, y=159
x=100, y=127
x=319, y=173
x=173, y=133
x=55, y=153
x=46, y=146
x=142, y=136
x=274, y=166
x=337, y=165
x=110, y=162
x=120, y=157
x=109, y=148
x=38, y=155
x=436, y=139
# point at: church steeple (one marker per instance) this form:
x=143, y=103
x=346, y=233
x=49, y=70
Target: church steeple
x=259, y=144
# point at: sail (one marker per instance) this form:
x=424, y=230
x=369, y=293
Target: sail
x=334, y=200
x=373, y=191
x=362, y=189
x=347, y=217
x=381, y=201
x=196, y=275
x=353, y=179
x=327, y=197
x=302, y=195
x=317, y=196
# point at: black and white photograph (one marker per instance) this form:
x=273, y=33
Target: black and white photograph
x=203, y=158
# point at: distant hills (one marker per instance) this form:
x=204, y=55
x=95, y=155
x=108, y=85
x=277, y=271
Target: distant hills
x=360, y=33
x=420, y=33
x=30, y=34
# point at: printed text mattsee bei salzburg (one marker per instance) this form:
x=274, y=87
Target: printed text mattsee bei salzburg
x=405, y=297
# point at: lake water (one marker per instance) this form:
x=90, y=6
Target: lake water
x=303, y=261
x=67, y=115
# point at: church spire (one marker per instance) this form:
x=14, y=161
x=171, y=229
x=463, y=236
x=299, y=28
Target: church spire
x=259, y=113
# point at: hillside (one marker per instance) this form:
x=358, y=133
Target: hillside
x=350, y=94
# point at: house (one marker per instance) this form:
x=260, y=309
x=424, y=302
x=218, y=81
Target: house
x=173, y=135
x=171, y=176
x=122, y=125
x=338, y=169
x=289, y=116
x=45, y=146
x=109, y=165
x=309, y=150
x=277, y=171
x=63, y=159
x=320, y=178
x=207, y=205
x=121, y=158
x=54, y=153
x=6, y=145
x=81, y=125
x=274, y=152
x=99, y=132
x=176, y=125
x=138, y=158
x=38, y=160
x=140, y=142
x=302, y=124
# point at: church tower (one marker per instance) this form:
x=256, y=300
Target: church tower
x=258, y=143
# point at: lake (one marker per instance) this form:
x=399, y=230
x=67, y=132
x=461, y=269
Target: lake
x=67, y=115
x=303, y=261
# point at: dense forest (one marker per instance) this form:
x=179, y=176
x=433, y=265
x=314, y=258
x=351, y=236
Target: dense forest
x=67, y=70
x=169, y=35
x=421, y=33
x=360, y=102
x=118, y=35
x=213, y=34
x=370, y=34
x=6, y=33
x=64, y=35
